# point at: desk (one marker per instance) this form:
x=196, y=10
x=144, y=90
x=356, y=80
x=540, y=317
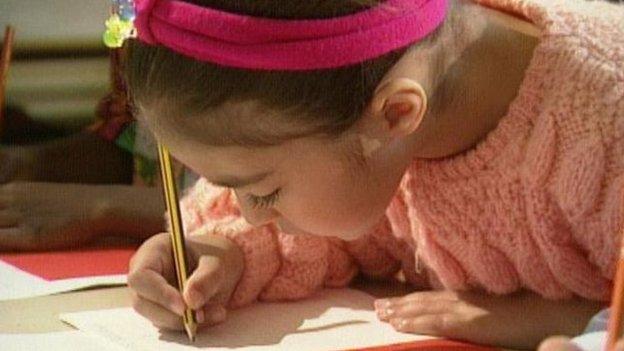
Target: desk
x=40, y=314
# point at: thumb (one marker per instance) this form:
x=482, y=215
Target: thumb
x=204, y=283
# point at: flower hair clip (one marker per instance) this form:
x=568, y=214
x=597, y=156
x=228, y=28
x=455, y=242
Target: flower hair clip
x=120, y=25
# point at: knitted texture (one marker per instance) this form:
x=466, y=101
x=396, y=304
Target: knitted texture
x=235, y=40
x=537, y=205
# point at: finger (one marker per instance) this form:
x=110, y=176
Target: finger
x=434, y=324
x=17, y=238
x=8, y=170
x=418, y=297
x=155, y=254
x=619, y=346
x=211, y=314
x=205, y=281
x=152, y=286
x=557, y=343
x=9, y=219
x=414, y=309
x=159, y=316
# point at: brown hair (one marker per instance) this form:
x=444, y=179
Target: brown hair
x=319, y=101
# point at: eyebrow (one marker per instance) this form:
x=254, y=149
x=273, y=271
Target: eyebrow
x=236, y=182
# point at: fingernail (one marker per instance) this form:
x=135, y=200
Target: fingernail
x=385, y=313
x=382, y=304
x=398, y=324
x=200, y=316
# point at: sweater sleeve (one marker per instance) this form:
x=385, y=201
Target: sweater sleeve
x=280, y=266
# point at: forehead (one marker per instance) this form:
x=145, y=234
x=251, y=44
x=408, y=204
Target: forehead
x=217, y=163
x=245, y=123
x=208, y=143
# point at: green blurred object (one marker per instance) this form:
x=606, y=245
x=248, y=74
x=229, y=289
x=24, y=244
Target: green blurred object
x=117, y=30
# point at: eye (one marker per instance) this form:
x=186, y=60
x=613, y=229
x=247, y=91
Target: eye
x=260, y=202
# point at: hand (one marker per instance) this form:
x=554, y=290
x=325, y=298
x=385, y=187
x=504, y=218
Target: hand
x=35, y=216
x=217, y=266
x=517, y=321
x=16, y=163
x=43, y=216
x=562, y=343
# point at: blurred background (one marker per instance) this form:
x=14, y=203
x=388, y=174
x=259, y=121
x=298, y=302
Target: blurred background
x=60, y=66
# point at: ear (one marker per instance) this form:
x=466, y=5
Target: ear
x=397, y=109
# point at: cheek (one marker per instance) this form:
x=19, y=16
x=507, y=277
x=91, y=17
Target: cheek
x=333, y=204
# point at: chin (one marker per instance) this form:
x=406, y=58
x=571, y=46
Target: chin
x=350, y=237
x=346, y=236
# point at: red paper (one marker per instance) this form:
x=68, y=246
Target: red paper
x=430, y=345
x=72, y=264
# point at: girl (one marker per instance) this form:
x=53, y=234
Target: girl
x=475, y=147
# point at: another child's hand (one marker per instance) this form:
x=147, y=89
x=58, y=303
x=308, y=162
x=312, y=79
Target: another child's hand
x=48, y=216
x=217, y=264
x=519, y=321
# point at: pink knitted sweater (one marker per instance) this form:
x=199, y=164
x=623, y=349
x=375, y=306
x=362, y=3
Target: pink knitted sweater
x=538, y=205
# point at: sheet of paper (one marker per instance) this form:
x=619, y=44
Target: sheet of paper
x=60, y=341
x=16, y=283
x=335, y=319
x=595, y=341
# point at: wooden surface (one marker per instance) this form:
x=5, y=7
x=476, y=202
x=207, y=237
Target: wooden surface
x=40, y=314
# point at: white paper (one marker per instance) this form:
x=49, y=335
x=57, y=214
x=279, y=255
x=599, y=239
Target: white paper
x=595, y=341
x=333, y=320
x=16, y=283
x=59, y=341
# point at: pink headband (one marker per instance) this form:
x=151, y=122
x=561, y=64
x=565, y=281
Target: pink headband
x=243, y=41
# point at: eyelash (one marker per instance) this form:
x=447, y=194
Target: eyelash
x=260, y=202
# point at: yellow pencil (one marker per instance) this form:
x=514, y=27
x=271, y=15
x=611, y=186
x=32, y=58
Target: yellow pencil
x=177, y=234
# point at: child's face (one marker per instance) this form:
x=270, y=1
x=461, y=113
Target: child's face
x=305, y=185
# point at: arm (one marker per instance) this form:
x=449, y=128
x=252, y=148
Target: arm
x=41, y=216
x=79, y=158
x=518, y=321
x=132, y=211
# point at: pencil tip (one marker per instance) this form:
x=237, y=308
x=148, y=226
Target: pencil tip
x=191, y=330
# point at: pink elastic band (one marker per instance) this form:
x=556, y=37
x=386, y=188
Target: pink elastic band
x=242, y=41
